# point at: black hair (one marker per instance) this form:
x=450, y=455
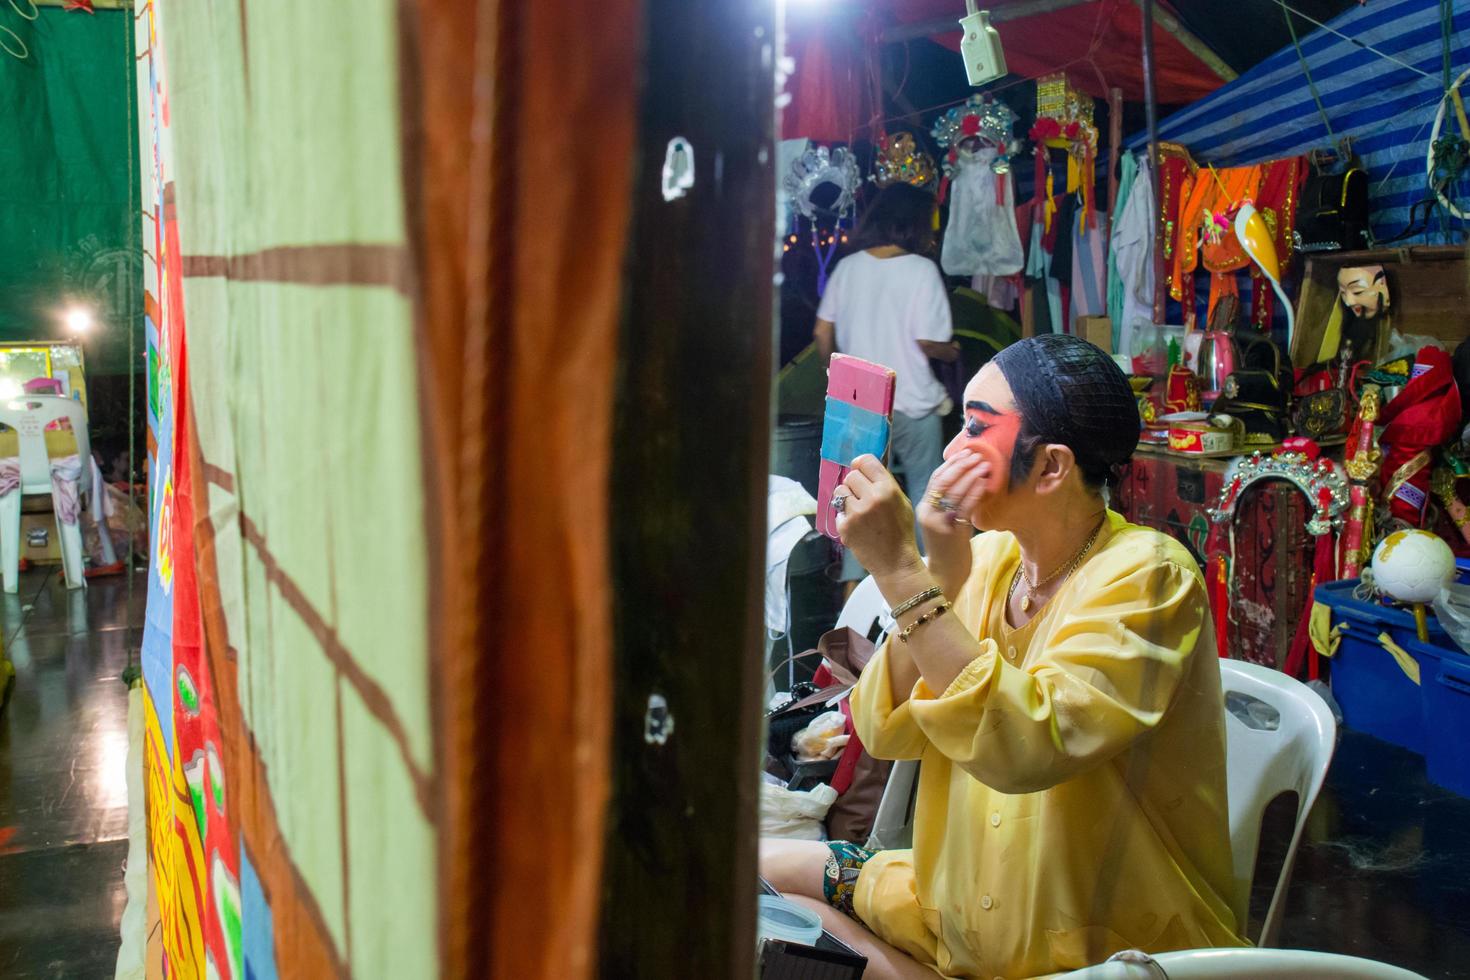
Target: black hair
x=1070, y=392
x=1095, y=474
x=900, y=215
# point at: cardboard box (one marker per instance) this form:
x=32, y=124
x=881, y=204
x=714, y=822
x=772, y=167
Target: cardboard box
x=1096, y=330
x=1429, y=293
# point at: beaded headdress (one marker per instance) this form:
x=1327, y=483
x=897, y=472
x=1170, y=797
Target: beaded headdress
x=899, y=161
x=981, y=119
x=819, y=166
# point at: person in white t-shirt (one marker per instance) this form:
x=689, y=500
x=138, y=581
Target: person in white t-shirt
x=887, y=303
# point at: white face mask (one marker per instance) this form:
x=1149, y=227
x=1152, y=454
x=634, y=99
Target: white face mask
x=1364, y=290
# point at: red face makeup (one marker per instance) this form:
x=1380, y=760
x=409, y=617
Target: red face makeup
x=990, y=434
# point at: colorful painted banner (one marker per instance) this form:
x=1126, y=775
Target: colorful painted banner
x=196, y=858
x=292, y=775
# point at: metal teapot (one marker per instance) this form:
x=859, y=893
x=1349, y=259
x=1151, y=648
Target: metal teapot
x=1218, y=355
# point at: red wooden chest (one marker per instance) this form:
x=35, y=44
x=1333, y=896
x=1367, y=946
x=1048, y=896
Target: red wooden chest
x=1272, y=551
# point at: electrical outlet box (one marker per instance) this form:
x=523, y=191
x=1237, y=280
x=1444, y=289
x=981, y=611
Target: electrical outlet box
x=980, y=48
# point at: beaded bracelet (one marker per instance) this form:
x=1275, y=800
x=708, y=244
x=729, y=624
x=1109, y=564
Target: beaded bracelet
x=928, y=617
x=933, y=592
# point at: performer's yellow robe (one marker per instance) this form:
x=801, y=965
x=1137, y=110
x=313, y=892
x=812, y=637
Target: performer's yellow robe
x=1072, y=792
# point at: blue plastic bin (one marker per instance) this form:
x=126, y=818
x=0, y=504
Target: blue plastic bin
x=1375, y=695
x=1432, y=717
x=1447, y=722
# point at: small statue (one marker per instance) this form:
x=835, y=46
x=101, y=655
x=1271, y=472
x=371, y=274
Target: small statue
x=1360, y=467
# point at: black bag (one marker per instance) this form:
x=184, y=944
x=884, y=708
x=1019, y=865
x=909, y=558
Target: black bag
x=1321, y=414
x=1255, y=394
x=1332, y=213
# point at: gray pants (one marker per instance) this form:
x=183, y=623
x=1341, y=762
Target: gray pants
x=918, y=447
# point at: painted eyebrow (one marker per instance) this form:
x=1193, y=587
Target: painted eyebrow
x=985, y=407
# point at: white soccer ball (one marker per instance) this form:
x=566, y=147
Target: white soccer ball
x=1412, y=566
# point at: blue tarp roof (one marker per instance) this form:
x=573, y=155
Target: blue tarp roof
x=1387, y=109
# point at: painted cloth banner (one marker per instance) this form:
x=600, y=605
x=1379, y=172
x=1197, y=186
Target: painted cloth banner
x=291, y=769
x=196, y=860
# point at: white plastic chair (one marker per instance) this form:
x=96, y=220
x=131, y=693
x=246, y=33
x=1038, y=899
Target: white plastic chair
x=865, y=608
x=1287, y=745
x=893, y=823
x=29, y=416
x=1242, y=964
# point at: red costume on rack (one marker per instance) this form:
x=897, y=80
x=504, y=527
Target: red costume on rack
x=1205, y=234
x=1281, y=185
x=1176, y=170
x=1423, y=416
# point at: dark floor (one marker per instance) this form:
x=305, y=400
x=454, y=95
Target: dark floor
x=1386, y=870
x=63, y=792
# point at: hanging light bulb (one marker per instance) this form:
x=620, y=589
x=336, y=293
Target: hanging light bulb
x=79, y=319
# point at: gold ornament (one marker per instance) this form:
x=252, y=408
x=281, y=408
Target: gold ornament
x=1057, y=99
x=1442, y=483
x=1360, y=468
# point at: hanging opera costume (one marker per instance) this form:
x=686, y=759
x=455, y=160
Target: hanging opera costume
x=1421, y=417
x=1204, y=231
x=982, y=239
x=1071, y=800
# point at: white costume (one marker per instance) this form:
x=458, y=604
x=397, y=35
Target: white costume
x=982, y=238
x=1133, y=251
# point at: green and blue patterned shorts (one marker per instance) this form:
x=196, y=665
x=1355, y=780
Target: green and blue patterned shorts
x=844, y=863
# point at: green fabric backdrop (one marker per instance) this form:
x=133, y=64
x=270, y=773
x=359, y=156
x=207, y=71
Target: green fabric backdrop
x=68, y=208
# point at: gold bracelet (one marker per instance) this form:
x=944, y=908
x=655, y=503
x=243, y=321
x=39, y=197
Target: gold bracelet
x=928, y=617
x=913, y=602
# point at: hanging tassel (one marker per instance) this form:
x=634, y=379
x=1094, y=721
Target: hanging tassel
x=825, y=256
x=1050, y=208
x=1089, y=209
x=1220, y=600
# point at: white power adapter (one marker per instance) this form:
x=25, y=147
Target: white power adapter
x=980, y=47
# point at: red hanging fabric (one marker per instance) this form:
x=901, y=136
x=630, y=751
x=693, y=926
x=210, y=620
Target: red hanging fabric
x=830, y=90
x=1096, y=43
x=1281, y=184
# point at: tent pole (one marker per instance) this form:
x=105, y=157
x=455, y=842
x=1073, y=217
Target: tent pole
x=1115, y=145
x=945, y=25
x=1150, y=99
x=1151, y=110
x=1189, y=40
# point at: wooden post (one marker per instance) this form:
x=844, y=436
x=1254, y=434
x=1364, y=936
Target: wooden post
x=690, y=436
x=1115, y=148
x=1188, y=39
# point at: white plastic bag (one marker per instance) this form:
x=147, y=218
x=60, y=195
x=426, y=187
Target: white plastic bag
x=795, y=814
x=1453, y=609
x=822, y=738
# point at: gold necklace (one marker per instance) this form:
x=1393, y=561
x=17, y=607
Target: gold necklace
x=1067, y=568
